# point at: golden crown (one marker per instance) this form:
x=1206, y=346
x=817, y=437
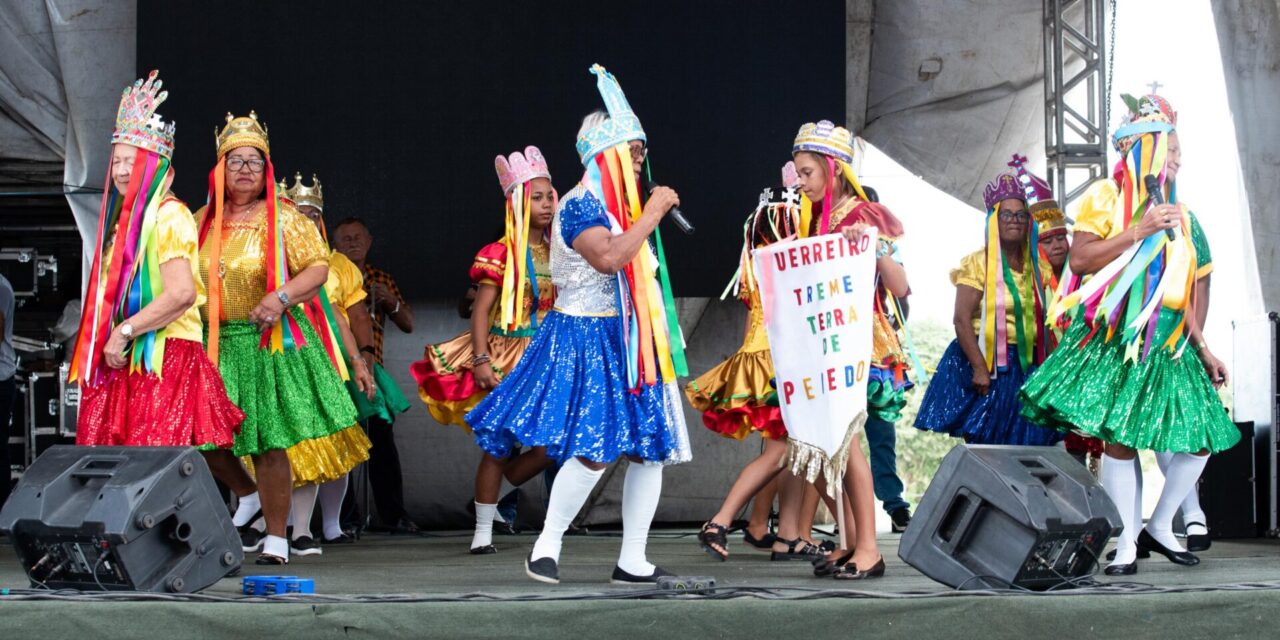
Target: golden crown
x=137, y=122
x=243, y=132
x=302, y=195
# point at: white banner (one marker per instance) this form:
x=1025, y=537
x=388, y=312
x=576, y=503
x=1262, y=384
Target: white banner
x=817, y=295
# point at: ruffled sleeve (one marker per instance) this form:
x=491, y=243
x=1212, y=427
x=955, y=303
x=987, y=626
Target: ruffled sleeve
x=972, y=271
x=303, y=245
x=580, y=214
x=1204, y=257
x=176, y=237
x=1096, y=209
x=489, y=265
x=345, y=285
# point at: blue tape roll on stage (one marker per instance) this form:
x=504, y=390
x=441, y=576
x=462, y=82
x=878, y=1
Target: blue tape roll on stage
x=277, y=585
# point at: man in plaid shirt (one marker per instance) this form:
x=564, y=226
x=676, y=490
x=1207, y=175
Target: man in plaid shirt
x=351, y=237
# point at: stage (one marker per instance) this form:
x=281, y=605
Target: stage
x=428, y=586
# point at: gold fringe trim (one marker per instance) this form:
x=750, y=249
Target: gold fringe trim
x=810, y=462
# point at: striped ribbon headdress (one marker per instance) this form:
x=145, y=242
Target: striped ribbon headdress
x=127, y=240
x=651, y=330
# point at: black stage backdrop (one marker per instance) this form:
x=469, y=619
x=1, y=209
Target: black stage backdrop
x=401, y=107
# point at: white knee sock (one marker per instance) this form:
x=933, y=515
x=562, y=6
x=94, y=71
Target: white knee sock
x=640, y=495
x=1179, y=479
x=1120, y=479
x=483, y=536
x=332, y=494
x=1191, y=510
x=572, y=487
x=246, y=507
x=303, y=505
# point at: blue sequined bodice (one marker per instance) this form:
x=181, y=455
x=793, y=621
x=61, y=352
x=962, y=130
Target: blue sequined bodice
x=580, y=289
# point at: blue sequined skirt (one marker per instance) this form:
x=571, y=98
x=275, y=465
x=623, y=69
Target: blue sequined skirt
x=569, y=394
x=950, y=405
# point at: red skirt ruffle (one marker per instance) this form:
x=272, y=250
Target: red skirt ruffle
x=186, y=406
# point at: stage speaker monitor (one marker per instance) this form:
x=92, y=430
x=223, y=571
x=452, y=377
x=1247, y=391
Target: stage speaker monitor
x=996, y=516
x=121, y=519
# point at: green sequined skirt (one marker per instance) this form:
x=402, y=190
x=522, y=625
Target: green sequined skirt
x=287, y=397
x=387, y=401
x=1161, y=403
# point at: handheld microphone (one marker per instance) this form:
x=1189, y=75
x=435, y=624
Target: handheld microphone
x=673, y=213
x=1156, y=193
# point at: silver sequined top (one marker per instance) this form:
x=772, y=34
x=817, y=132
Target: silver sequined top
x=580, y=289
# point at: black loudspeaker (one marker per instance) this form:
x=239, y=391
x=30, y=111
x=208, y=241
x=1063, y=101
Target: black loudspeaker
x=996, y=516
x=1229, y=489
x=121, y=518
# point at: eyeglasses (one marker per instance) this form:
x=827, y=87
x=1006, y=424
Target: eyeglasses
x=1014, y=216
x=639, y=151
x=255, y=166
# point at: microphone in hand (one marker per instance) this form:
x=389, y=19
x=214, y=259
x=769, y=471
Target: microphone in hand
x=674, y=213
x=1156, y=193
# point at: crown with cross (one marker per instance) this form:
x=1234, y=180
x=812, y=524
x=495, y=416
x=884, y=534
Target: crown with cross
x=244, y=131
x=1150, y=113
x=137, y=122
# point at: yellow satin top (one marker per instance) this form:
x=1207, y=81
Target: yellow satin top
x=345, y=285
x=972, y=272
x=243, y=266
x=176, y=239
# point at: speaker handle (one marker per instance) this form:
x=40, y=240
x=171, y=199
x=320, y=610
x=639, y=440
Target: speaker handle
x=965, y=499
x=92, y=467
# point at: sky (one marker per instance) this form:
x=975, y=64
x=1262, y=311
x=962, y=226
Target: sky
x=1187, y=63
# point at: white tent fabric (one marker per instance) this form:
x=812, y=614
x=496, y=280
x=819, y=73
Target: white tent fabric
x=954, y=91
x=62, y=65
x=1249, y=37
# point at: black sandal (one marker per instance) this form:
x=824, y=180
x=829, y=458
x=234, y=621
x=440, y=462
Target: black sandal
x=487, y=549
x=807, y=552
x=271, y=559
x=714, y=535
x=764, y=542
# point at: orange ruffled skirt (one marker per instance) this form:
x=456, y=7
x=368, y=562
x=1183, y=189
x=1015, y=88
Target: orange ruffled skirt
x=732, y=397
x=445, y=381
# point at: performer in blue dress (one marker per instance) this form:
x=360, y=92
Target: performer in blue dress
x=598, y=381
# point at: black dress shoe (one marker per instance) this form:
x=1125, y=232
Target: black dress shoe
x=850, y=572
x=1199, y=541
x=622, y=577
x=1121, y=569
x=543, y=569
x=1184, y=558
x=1143, y=554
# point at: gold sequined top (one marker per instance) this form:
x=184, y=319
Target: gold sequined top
x=345, y=285
x=243, y=268
x=176, y=238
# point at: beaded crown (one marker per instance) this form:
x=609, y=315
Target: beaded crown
x=137, y=122
x=826, y=138
x=622, y=125
x=1148, y=114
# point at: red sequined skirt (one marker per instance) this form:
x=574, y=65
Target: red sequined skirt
x=186, y=406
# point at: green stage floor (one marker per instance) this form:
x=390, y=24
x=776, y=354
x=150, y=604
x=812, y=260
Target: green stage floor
x=439, y=567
